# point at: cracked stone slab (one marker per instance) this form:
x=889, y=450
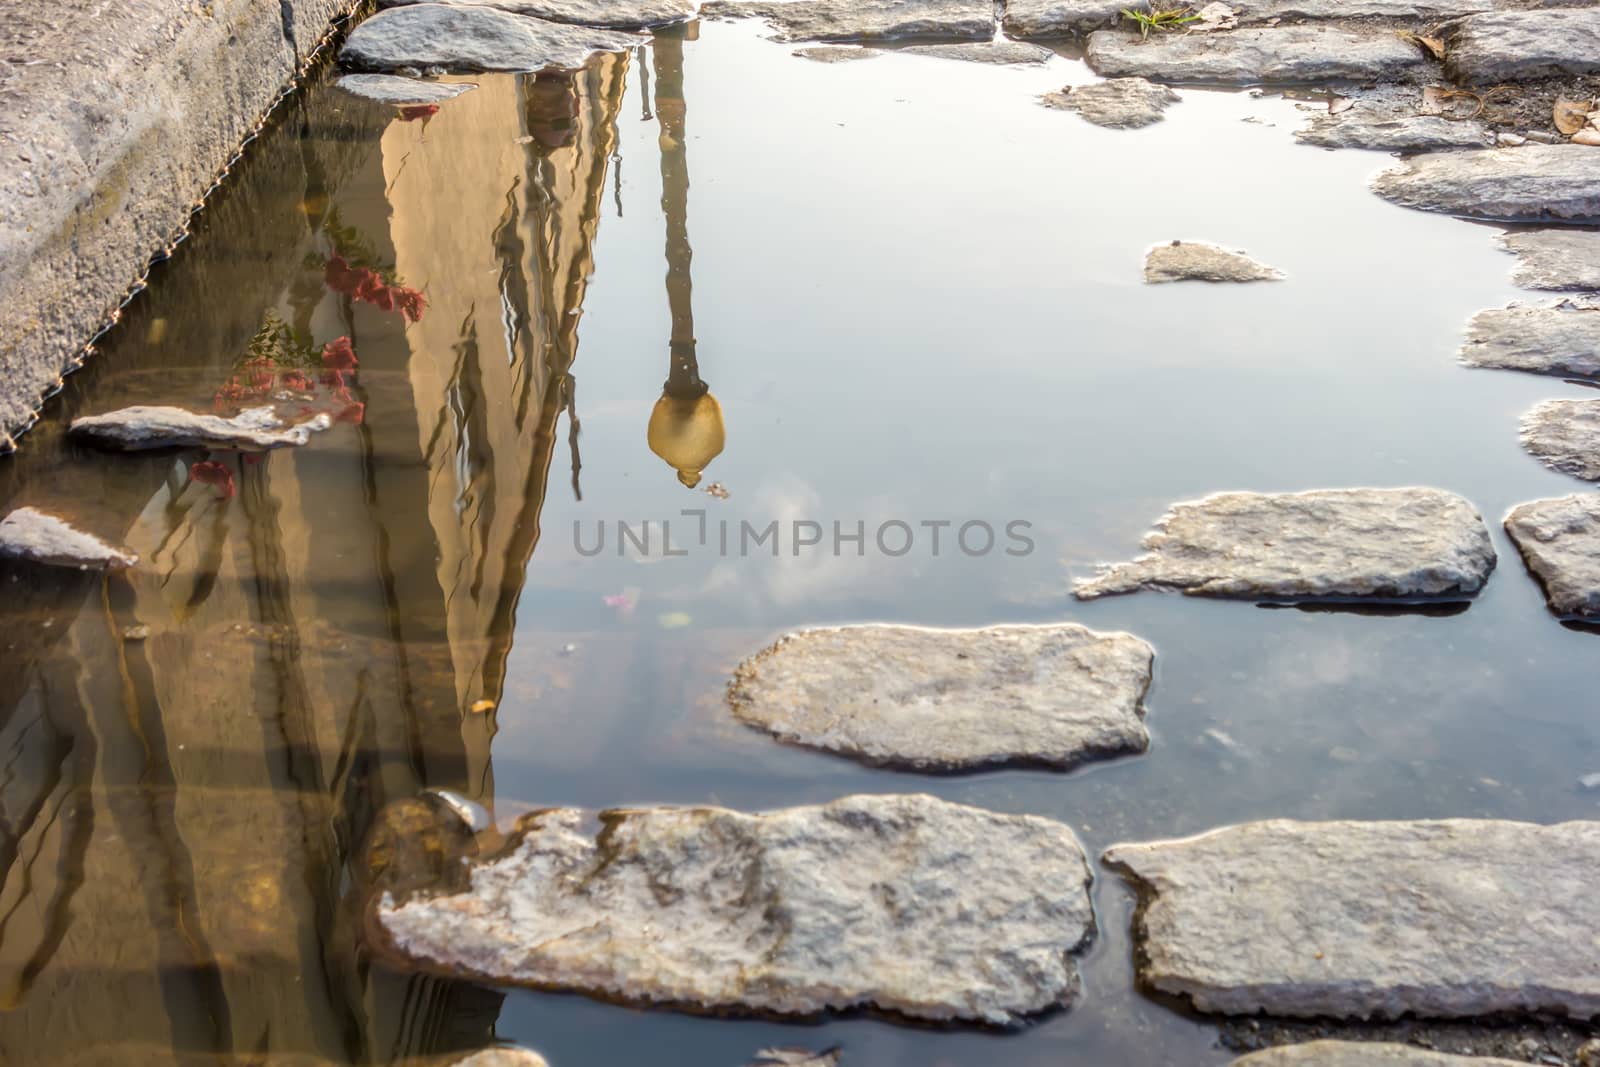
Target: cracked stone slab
x=39, y=537
x=1410, y=10
x=1281, y=54
x=1565, y=436
x=1512, y=46
x=951, y=699
x=1358, y=128
x=1059, y=18
x=1560, y=542
x=468, y=38
x=865, y=902
x=1563, y=339
x=401, y=92
x=1363, y=1054
x=1533, y=183
x=137, y=428
x=863, y=20
x=1555, y=259
x=1454, y=918
x=604, y=14
x=1397, y=544
x=1116, y=103
x=1198, y=261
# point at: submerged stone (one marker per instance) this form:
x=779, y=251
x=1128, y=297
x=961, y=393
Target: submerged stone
x=1118, y=103
x=466, y=38
x=837, y=53
x=1198, y=261
x=606, y=14
x=951, y=699
x=795, y=1057
x=863, y=20
x=401, y=92
x=1327, y=543
x=1565, y=436
x=1555, y=259
x=1511, y=46
x=1363, y=1054
x=39, y=537
x=1281, y=54
x=1560, y=541
x=906, y=904
x=1454, y=918
x=1534, y=183
x=997, y=53
x=1358, y=128
x=1563, y=339
x=252, y=430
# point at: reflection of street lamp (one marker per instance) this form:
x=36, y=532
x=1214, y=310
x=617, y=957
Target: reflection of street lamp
x=686, y=423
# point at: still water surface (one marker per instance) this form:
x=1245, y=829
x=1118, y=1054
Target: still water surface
x=915, y=296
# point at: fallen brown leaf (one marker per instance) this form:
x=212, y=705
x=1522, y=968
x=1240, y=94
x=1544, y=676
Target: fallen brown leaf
x=1588, y=135
x=1571, y=115
x=1337, y=104
x=1431, y=45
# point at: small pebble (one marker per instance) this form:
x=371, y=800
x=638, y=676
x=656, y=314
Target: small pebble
x=1510, y=140
x=135, y=633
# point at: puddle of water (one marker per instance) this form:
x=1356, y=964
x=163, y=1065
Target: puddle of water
x=915, y=298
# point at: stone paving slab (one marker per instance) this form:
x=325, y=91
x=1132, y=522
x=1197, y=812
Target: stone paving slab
x=864, y=20
x=1555, y=259
x=605, y=14
x=1392, y=133
x=39, y=537
x=468, y=39
x=1533, y=183
x=1513, y=46
x=1281, y=55
x=401, y=92
x=1560, y=541
x=1363, y=1054
x=1455, y=918
x=1200, y=261
x=951, y=699
x=905, y=904
x=1116, y=103
x=1562, y=340
x=1565, y=436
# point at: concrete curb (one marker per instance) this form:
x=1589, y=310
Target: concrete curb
x=116, y=119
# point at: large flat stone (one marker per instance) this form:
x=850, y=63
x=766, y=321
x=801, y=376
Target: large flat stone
x=1555, y=259
x=1411, y=10
x=1511, y=46
x=39, y=537
x=1200, y=261
x=1560, y=541
x=1455, y=918
x=1116, y=103
x=1363, y=1054
x=864, y=20
x=1563, y=340
x=138, y=428
x=1358, y=128
x=906, y=904
x=951, y=699
x=1328, y=543
x=1534, y=183
x=463, y=39
x=1565, y=436
x=1282, y=54
x=606, y=14
x=1059, y=18
x=401, y=92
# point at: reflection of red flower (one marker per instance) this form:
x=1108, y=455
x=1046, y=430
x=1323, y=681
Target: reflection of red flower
x=339, y=355
x=418, y=111
x=210, y=472
x=410, y=301
x=355, y=412
x=296, y=380
x=340, y=276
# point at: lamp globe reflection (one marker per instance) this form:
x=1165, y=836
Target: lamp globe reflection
x=686, y=423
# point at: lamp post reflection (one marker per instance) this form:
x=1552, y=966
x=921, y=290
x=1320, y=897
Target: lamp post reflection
x=686, y=423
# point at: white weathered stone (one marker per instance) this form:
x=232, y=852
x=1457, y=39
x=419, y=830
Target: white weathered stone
x=1198, y=261
x=1281, y=54
x=1118, y=103
x=1333, y=543
x=1563, y=339
x=466, y=38
x=1362, y=1054
x=1555, y=259
x=605, y=14
x=951, y=699
x=1511, y=46
x=1455, y=918
x=38, y=537
x=1414, y=10
x=1001, y=53
x=837, y=53
x=907, y=904
x=1534, y=183
x=1059, y=18
x=401, y=92
x=795, y=1057
x=140, y=427
x=1565, y=436
x=1560, y=541
x=502, y=1057
x=1358, y=128
x=863, y=20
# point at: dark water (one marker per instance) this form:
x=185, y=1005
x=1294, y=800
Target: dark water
x=915, y=297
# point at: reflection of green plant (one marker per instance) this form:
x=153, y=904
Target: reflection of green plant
x=277, y=343
x=1163, y=19
x=350, y=246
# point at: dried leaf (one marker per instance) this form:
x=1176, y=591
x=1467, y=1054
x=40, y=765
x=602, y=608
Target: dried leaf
x=1431, y=45
x=1571, y=115
x=1215, y=16
x=1338, y=104
x=1588, y=135
x=1434, y=99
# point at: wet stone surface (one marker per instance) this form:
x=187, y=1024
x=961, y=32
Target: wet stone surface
x=605, y=14
x=996, y=53
x=1555, y=259
x=863, y=20
x=470, y=39
x=1372, y=919
x=1118, y=103
x=1363, y=1054
x=1059, y=18
x=1410, y=10
x=951, y=699
x=1533, y=183
x=862, y=902
x=1565, y=436
x=1282, y=54
x=1199, y=261
x=137, y=428
x=1510, y=46
x=1328, y=543
x=1560, y=541
x=390, y=89
x=39, y=537
x=1361, y=127
x=1563, y=339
